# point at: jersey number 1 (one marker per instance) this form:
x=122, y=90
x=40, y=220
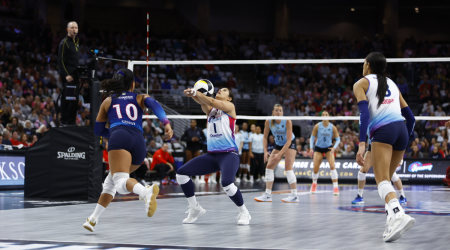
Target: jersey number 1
x=128, y=110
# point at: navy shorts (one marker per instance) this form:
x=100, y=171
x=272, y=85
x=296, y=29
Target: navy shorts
x=130, y=139
x=395, y=134
x=227, y=163
x=322, y=150
x=292, y=146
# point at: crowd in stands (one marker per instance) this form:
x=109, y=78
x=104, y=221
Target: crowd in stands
x=30, y=83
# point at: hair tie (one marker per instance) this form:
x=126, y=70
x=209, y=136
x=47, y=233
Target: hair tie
x=120, y=72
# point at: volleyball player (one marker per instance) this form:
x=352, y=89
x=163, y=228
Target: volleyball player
x=126, y=145
x=222, y=153
x=362, y=179
x=256, y=149
x=249, y=165
x=325, y=133
x=382, y=109
x=285, y=146
x=193, y=136
x=244, y=167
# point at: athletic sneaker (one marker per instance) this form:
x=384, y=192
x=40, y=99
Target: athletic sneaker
x=313, y=188
x=244, y=179
x=397, y=225
x=251, y=179
x=336, y=191
x=194, y=214
x=243, y=218
x=156, y=183
x=90, y=223
x=402, y=200
x=202, y=180
x=174, y=182
x=164, y=182
x=264, y=198
x=358, y=200
x=258, y=180
x=149, y=199
x=291, y=199
x=237, y=180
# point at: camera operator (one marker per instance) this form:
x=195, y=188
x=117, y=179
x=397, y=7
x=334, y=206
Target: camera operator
x=68, y=62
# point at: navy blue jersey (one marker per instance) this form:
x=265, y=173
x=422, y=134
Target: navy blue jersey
x=125, y=110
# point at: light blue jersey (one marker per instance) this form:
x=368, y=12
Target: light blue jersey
x=279, y=132
x=245, y=136
x=324, y=136
x=220, y=132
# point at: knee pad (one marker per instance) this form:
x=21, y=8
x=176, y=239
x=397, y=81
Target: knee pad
x=334, y=174
x=315, y=176
x=361, y=176
x=269, y=175
x=108, y=186
x=120, y=182
x=291, y=177
x=384, y=188
x=247, y=166
x=230, y=189
x=395, y=177
x=182, y=179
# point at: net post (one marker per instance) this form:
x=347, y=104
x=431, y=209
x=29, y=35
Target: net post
x=130, y=65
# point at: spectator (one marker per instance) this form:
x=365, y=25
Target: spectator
x=162, y=163
x=24, y=140
x=231, y=83
x=152, y=147
x=271, y=145
x=435, y=153
x=272, y=80
x=28, y=129
x=40, y=122
x=403, y=87
x=40, y=132
x=176, y=94
x=15, y=139
x=33, y=117
x=165, y=85
x=26, y=110
x=6, y=138
x=415, y=153
x=193, y=137
x=439, y=111
x=348, y=152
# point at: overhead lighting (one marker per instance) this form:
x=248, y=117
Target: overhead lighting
x=416, y=9
x=352, y=9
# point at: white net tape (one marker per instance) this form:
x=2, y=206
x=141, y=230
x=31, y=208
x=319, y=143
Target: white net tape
x=293, y=118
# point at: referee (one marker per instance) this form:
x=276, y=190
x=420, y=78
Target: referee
x=68, y=63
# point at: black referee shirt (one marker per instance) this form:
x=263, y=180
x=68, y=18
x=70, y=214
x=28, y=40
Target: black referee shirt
x=68, y=56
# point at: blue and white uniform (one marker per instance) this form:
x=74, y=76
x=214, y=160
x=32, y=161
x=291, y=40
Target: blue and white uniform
x=125, y=116
x=279, y=132
x=238, y=138
x=386, y=122
x=222, y=156
x=220, y=134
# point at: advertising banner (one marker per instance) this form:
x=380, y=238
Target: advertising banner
x=411, y=169
x=12, y=170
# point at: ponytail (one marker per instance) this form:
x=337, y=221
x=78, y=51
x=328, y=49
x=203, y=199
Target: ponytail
x=122, y=81
x=377, y=64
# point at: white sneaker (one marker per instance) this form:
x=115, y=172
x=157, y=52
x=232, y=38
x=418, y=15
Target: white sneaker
x=194, y=214
x=213, y=180
x=258, y=180
x=264, y=198
x=156, y=183
x=263, y=178
x=251, y=179
x=237, y=180
x=396, y=226
x=291, y=199
x=245, y=180
x=149, y=199
x=202, y=180
x=90, y=223
x=243, y=218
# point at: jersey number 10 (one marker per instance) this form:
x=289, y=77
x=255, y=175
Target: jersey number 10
x=128, y=110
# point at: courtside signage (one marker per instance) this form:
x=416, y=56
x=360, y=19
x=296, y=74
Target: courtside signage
x=12, y=170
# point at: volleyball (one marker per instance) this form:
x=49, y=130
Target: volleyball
x=204, y=86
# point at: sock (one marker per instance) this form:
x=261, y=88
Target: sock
x=98, y=211
x=388, y=212
x=138, y=189
x=242, y=209
x=188, y=189
x=268, y=192
x=192, y=201
x=402, y=193
x=315, y=181
x=394, y=205
x=360, y=192
x=335, y=184
x=294, y=191
x=237, y=198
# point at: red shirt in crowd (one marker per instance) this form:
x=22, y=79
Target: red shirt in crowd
x=161, y=157
x=15, y=142
x=106, y=159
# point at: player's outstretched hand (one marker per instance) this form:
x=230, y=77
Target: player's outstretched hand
x=188, y=92
x=360, y=154
x=447, y=124
x=266, y=156
x=168, y=132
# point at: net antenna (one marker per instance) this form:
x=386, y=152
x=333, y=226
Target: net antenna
x=148, y=22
